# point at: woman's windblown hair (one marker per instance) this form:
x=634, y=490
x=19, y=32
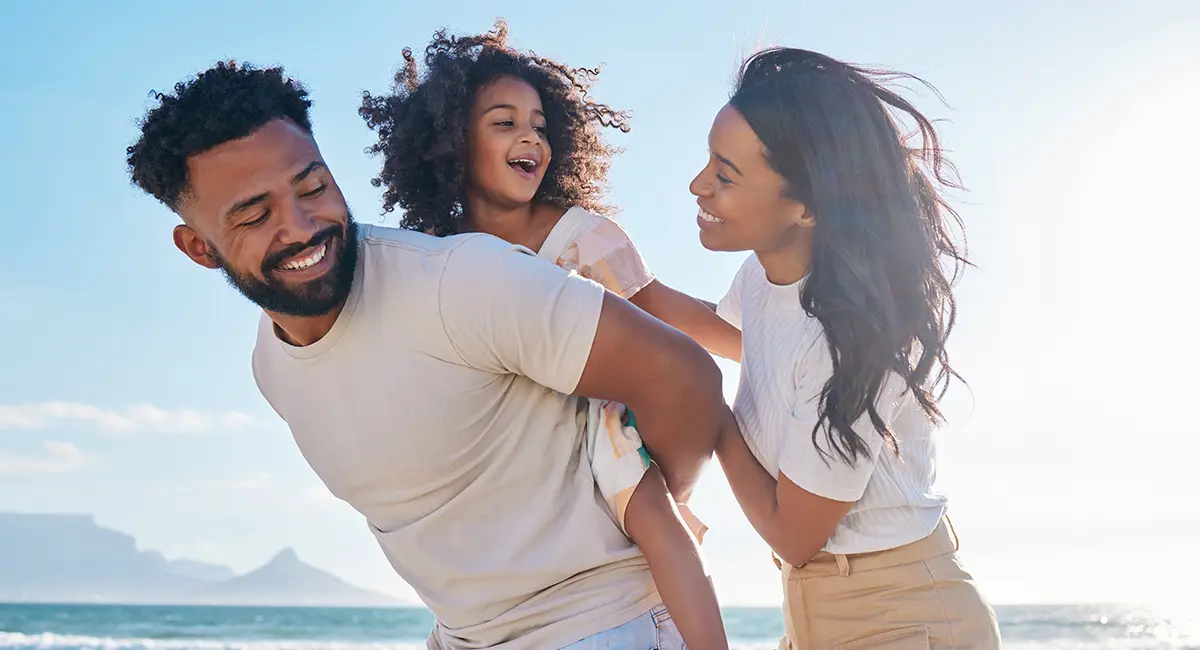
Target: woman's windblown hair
x=883, y=234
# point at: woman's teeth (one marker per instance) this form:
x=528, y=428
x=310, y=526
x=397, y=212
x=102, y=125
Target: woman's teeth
x=707, y=216
x=306, y=261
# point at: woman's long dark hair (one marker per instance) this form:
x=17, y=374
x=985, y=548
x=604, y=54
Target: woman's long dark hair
x=883, y=229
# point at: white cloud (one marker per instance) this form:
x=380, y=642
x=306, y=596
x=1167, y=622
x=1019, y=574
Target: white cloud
x=58, y=458
x=256, y=483
x=266, y=484
x=135, y=419
x=319, y=496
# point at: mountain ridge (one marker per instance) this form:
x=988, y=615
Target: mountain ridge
x=69, y=558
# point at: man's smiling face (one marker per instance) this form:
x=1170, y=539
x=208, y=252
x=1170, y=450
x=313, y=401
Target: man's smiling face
x=266, y=211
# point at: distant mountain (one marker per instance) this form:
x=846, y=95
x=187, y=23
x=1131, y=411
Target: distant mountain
x=200, y=570
x=286, y=581
x=68, y=558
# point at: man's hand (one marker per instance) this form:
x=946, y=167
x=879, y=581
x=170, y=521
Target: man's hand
x=670, y=383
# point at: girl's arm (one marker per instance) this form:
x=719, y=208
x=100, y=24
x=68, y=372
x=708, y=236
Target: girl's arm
x=694, y=317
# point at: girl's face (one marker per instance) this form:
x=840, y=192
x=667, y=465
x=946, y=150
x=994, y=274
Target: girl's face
x=742, y=201
x=507, y=150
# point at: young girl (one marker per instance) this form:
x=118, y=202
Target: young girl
x=507, y=143
x=844, y=309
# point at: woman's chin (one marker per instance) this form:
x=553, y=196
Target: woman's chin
x=711, y=242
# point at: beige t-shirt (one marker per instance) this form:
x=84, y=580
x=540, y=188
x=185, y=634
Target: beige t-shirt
x=438, y=406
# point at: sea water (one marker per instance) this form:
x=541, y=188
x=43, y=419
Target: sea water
x=125, y=627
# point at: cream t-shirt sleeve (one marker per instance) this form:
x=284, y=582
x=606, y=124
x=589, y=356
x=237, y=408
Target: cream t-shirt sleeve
x=506, y=311
x=827, y=475
x=730, y=307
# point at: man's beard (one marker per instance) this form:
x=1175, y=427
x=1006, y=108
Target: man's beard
x=314, y=298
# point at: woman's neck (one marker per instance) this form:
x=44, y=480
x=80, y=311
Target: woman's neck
x=527, y=225
x=789, y=262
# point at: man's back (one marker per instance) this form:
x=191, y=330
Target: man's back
x=437, y=407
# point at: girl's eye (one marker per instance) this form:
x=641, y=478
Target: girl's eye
x=723, y=180
x=504, y=123
x=539, y=129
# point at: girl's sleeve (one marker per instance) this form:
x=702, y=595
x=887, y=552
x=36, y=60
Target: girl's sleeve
x=604, y=253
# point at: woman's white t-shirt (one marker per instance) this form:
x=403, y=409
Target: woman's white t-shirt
x=785, y=364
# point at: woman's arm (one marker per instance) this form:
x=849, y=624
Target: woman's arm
x=696, y=318
x=794, y=522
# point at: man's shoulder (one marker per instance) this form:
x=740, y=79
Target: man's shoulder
x=399, y=242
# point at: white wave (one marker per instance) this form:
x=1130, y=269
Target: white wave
x=47, y=641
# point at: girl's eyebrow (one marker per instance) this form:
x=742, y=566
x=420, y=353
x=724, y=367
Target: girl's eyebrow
x=511, y=108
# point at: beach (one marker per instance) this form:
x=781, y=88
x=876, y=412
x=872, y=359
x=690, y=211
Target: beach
x=122, y=627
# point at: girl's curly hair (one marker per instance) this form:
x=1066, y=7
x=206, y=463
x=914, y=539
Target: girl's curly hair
x=422, y=128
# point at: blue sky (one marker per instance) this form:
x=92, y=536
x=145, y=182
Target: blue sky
x=125, y=387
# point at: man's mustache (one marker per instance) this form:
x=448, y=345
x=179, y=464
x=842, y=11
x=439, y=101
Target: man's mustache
x=273, y=260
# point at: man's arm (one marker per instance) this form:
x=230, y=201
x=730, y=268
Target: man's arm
x=507, y=311
x=670, y=383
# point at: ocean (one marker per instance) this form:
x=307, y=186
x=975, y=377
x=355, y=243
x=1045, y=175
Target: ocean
x=124, y=627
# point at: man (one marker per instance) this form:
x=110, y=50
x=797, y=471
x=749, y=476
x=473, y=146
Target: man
x=429, y=381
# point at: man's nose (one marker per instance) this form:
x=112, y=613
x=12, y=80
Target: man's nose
x=299, y=225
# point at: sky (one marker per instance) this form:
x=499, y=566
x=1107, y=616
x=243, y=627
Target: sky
x=125, y=385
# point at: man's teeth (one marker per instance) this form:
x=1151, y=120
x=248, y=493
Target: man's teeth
x=307, y=261
x=706, y=216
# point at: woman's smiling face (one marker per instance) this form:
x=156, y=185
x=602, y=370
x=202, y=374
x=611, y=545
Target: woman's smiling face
x=743, y=201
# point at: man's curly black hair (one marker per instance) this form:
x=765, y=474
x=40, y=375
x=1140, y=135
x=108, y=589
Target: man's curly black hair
x=422, y=128
x=226, y=102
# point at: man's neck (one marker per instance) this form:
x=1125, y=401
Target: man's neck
x=302, y=331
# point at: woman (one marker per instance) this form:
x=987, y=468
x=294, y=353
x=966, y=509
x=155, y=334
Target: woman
x=844, y=308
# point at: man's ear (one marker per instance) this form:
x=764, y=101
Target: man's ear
x=193, y=245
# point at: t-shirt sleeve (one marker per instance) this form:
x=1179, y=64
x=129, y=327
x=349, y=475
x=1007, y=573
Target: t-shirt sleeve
x=506, y=311
x=603, y=252
x=827, y=475
x=730, y=307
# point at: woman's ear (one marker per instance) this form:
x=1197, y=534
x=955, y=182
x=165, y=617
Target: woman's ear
x=802, y=216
